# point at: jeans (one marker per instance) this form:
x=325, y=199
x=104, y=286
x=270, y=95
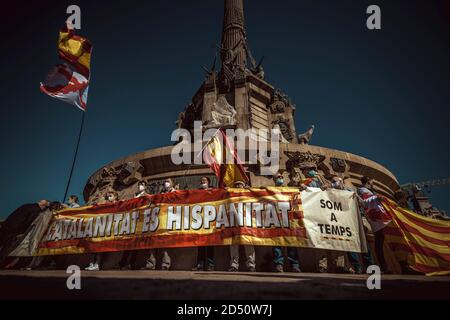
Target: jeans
x=278, y=258
x=354, y=258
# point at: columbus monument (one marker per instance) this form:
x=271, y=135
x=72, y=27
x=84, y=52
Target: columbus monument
x=238, y=96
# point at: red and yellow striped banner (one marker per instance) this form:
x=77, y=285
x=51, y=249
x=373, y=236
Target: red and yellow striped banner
x=423, y=243
x=271, y=216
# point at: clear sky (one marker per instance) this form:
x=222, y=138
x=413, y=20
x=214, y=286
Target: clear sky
x=382, y=94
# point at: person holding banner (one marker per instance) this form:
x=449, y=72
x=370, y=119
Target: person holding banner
x=166, y=263
x=354, y=257
x=249, y=249
x=128, y=261
x=94, y=265
x=205, y=255
x=377, y=216
x=292, y=252
x=312, y=179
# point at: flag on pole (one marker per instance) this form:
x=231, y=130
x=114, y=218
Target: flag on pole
x=69, y=81
x=227, y=169
x=67, y=85
x=75, y=50
x=213, y=154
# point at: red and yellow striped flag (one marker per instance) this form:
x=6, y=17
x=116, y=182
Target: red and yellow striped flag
x=75, y=50
x=227, y=169
x=422, y=242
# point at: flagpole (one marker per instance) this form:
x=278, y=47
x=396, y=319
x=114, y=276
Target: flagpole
x=198, y=155
x=75, y=156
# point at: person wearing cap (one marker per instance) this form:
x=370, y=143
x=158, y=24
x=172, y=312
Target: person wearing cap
x=249, y=249
x=278, y=257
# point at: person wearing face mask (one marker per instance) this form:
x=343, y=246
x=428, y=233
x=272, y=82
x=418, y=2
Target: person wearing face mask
x=312, y=179
x=354, y=257
x=142, y=189
x=377, y=216
x=205, y=255
x=150, y=263
x=94, y=265
x=278, y=257
x=111, y=197
x=168, y=186
x=205, y=183
x=128, y=261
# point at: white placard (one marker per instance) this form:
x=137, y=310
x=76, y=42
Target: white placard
x=332, y=220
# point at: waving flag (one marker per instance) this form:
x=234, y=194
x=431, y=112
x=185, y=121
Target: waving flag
x=423, y=243
x=376, y=214
x=69, y=82
x=213, y=154
x=67, y=85
x=228, y=171
x=75, y=50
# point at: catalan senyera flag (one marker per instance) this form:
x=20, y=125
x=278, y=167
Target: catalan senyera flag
x=228, y=169
x=69, y=81
x=423, y=243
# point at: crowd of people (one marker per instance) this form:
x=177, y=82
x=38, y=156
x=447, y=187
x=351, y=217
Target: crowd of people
x=13, y=229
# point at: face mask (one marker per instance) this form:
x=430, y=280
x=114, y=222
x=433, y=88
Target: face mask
x=312, y=174
x=205, y=186
x=336, y=185
x=141, y=188
x=111, y=198
x=167, y=185
x=279, y=182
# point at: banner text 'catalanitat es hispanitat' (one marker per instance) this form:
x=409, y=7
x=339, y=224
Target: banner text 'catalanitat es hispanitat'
x=265, y=217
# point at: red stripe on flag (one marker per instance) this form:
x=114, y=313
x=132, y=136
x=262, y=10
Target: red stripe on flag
x=186, y=240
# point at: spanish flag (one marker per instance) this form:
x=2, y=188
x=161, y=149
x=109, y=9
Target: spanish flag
x=75, y=50
x=224, y=161
x=423, y=243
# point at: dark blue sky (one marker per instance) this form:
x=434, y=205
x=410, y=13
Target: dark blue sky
x=382, y=94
